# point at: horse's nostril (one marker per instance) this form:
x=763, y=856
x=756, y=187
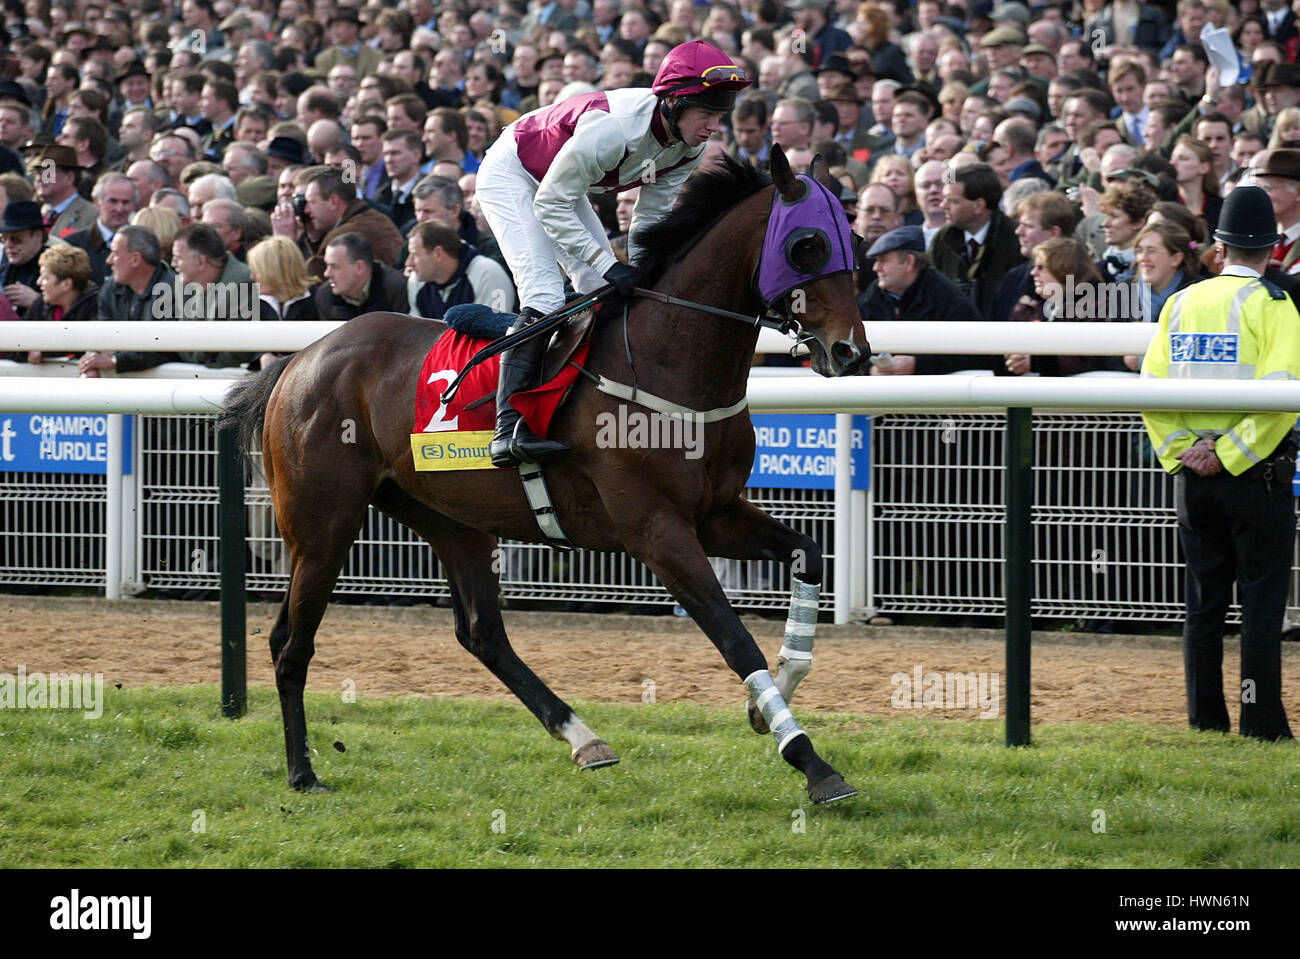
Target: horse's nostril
x=846, y=354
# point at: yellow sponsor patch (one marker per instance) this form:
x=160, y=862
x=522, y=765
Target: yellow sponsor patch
x=465, y=450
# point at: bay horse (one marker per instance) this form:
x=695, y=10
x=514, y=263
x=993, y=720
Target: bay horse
x=335, y=420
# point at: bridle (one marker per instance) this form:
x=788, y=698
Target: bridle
x=778, y=313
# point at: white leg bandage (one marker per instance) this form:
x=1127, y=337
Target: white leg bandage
x=795, y=659
x=763, y=691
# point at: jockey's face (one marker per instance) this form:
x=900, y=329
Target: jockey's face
x=698, y=124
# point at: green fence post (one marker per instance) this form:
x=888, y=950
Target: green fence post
x=1019, y=570
x=234, y=567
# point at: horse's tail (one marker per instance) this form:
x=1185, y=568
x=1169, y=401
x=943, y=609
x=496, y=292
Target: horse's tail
x=245, y=408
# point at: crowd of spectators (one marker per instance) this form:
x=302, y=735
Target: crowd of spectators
x=169, y=141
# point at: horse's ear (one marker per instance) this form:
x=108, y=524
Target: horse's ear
x=787, y=184
x=820, y=171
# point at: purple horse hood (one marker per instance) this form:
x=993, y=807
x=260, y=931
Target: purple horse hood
x=807, y=239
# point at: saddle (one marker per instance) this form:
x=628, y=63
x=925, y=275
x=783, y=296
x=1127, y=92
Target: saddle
x=482, y=322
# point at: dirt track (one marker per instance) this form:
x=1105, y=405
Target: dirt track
x=395, y=651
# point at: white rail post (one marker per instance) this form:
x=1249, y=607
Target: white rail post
x=113, y=507
x=844, y=571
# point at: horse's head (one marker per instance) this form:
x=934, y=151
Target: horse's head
x=806, y=270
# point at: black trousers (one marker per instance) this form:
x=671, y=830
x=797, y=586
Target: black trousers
x=1238, y=529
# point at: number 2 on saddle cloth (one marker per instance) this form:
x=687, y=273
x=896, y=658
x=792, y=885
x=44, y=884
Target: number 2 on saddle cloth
x=467, y=449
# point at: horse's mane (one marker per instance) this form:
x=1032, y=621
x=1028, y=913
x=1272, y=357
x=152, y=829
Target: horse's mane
x=708, y=194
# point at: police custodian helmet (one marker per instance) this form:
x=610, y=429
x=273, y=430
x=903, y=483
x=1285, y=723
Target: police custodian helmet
x=1247, y=220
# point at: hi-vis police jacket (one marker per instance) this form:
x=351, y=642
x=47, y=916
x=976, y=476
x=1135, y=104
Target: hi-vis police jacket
x=1231, y=327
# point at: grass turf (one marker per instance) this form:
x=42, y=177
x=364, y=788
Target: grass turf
x=162, y=780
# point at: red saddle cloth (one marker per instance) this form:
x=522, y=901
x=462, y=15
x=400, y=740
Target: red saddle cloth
x=444, y=363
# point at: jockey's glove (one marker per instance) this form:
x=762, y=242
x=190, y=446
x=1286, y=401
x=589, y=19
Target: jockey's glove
x=622, y=277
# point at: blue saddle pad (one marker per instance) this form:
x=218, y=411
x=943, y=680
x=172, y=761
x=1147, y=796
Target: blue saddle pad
x=478, y=320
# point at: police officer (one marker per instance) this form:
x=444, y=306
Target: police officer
x=1236, y=514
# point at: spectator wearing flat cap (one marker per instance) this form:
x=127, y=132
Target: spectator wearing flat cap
x=345, y=35
x=908, y=287
x=1003, y=47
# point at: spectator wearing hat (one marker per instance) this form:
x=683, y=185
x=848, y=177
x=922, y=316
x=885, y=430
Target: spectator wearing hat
x=1233, y=470
x=25, y=239
x=284, y=152
x=345, y=36
x=1280, y=177
x=834, y=72
x=133, y=85
x=857, y=142
x=749, y=133
x=1039, y=62
x=115, y=199
x=236, y=30
x=1278, y=86
x=1003, y=48
x=908, y=287
x=65, y=210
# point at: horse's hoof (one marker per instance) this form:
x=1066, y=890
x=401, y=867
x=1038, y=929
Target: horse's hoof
x=311, y=785
x=832, y=788
x=594, y=755
x=756, y=720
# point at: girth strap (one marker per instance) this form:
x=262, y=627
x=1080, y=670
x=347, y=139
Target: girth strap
x=667, y=407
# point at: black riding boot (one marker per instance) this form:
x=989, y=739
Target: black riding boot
x=514, y=442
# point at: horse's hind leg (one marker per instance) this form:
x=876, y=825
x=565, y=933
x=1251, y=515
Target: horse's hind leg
x=469, y=557
x=743, y=531
x=318, y=545
x=669, y=546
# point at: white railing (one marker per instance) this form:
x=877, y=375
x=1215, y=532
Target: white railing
x=1064, y=339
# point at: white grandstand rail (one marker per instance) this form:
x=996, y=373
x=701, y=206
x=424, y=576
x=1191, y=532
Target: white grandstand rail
x=795, y=394
x=899, y=337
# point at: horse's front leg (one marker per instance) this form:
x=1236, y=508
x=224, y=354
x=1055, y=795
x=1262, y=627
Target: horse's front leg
x=672, y=551
x=743, y=531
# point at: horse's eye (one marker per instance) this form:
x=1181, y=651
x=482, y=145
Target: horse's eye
x=808, y=251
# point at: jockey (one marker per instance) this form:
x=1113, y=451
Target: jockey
x=532, y=190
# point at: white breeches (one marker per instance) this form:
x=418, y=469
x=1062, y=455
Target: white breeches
x=505, y=192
